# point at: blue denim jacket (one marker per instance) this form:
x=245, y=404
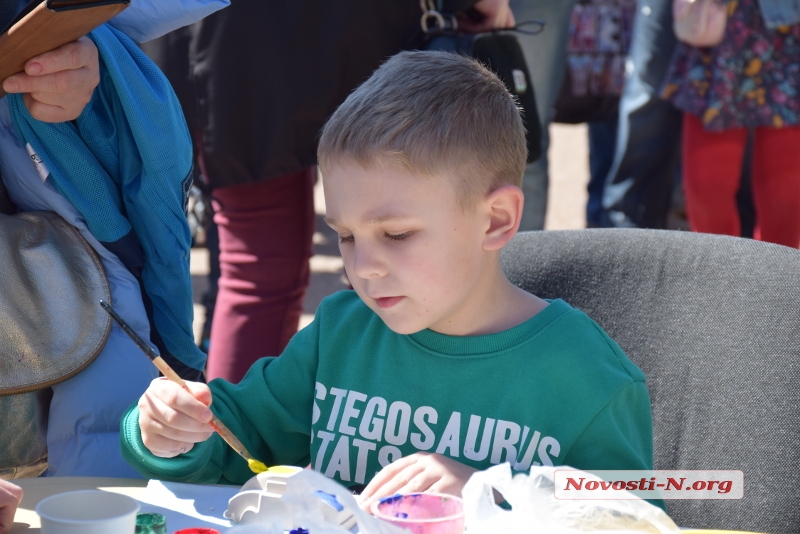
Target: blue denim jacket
x=780, y=12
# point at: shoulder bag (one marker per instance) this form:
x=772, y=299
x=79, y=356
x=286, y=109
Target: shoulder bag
x=499, y=50
x=51, y=326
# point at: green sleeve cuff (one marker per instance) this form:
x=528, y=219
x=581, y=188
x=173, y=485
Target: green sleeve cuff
x=186, y=467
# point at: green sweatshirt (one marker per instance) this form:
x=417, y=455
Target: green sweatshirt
x=349, y=396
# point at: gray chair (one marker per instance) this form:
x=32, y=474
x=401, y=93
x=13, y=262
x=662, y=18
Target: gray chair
x=714, y=323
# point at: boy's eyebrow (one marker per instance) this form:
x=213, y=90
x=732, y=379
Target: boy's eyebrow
x=373, y=220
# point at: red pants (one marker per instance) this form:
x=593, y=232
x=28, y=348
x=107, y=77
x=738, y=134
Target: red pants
x=712, y=165
x=265, y=232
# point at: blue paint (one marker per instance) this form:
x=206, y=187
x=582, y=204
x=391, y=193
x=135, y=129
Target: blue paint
x=298, y=531
x=401, y=515
x=393, y=498
x=330, y=499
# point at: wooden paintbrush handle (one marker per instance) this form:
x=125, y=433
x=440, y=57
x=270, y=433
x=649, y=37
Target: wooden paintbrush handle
x=215, y=423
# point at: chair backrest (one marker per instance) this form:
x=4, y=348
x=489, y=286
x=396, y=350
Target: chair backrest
x=714, y=323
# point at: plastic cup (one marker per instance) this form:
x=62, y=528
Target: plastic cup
x=88, y=512
x=422, y=513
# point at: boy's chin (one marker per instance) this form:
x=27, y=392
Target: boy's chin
x=399, y=326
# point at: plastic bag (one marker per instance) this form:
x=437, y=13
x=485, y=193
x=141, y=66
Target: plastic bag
x=300, y=504
x=536, y=510
x=699, y=22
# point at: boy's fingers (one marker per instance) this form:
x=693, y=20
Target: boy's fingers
x=71, y=56
x=175, y=406
x=401, y=479
x=383, y=476
x=158, y=434
x=200, y=391
x=166, y=448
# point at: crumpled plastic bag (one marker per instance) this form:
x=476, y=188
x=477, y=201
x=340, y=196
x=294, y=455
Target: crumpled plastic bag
x=302, y=504
x=536, y=510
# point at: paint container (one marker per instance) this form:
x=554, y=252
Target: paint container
x=88, y=512
x=151, y=524
x=422, y=513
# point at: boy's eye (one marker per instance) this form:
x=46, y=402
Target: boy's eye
x=397, y=237
x=346, y=238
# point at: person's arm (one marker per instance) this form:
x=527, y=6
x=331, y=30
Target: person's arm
x=10, y=497
x=619, y=437
x=57, y=85
x=167, y=435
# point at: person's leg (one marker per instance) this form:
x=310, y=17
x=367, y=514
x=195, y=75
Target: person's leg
x=712, y=166
x=639, y=185
x=265, y=232
x=546, y=57
x=776, y=185
x=602, y=136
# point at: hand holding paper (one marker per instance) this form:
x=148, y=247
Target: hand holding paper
x=58, y=84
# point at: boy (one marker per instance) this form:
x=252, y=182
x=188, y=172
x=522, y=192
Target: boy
x=436, y=365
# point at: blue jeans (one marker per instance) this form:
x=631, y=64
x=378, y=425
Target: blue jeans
x=602, y=139
x=546, y=57
x=639, y=186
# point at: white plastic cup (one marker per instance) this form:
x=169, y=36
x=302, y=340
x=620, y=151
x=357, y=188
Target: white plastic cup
x=88, y=512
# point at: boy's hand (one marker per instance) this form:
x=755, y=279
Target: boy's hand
x=417, y=473
x=171, y=419
x=10, y=497
x=58, y=84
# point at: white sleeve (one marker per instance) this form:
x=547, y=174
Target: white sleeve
x=145, y=20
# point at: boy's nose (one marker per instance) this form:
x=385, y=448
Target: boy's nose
x=367, y=263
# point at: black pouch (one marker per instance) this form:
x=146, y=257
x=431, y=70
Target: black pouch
x=501, y=52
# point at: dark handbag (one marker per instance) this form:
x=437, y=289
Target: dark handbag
x=51, y=326
x=499, y=50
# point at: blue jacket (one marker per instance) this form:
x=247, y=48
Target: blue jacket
x=83, y=433
x=126, y=165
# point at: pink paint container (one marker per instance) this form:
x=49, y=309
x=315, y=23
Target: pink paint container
x=422, y=513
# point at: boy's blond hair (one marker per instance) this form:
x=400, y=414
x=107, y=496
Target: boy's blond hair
x=432, y=113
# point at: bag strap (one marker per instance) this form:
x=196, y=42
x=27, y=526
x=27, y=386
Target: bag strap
x=435, y=20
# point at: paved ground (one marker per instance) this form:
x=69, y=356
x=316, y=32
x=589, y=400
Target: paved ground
x=569, y=174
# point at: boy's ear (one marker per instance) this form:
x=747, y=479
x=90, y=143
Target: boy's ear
x=505, y=212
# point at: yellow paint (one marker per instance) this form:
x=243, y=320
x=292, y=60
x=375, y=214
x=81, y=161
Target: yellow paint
x=257, y=467
x=282, y=469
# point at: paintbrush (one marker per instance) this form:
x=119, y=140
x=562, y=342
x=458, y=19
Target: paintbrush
x=166, y=370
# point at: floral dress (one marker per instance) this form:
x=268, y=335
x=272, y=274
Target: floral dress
x=750, y=79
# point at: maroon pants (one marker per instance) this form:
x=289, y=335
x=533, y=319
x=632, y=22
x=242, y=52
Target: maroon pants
x=265, y=232
x=712, y=164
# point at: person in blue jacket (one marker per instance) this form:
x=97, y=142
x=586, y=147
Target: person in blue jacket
x=96, y=112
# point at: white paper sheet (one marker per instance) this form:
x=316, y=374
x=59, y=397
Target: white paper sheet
x=188, y=505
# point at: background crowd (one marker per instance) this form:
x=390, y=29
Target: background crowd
x=698, y=128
